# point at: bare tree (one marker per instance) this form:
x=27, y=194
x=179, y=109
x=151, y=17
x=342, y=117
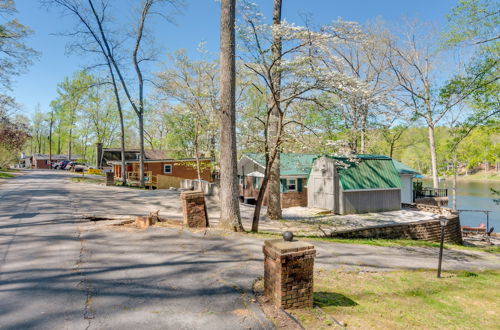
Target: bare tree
x=414, y=63
x=93, y=38
x=147, y=10
x=230, y=207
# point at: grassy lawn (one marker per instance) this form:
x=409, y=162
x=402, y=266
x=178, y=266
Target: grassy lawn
x=404, y=299
x=387, y=242
x=480, y=176
x=86, y=180
x=6, y=175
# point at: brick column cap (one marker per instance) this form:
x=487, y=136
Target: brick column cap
x=283, y=247
x=192, y=194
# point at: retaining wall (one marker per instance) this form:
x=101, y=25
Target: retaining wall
x=429, y=230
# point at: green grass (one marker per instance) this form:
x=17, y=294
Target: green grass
x=83, y=179
x=386, y=242
x=6, y=175
x=404, y=300
x=8, y=170
x=480, y=176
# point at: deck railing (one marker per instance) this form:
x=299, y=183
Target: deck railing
x=430, y=192
x=136, y=176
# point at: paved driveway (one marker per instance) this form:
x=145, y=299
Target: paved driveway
x=58, y=271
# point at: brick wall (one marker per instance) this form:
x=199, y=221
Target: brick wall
x=41, y=164
x=179, y=170
x=429, y=230
x=194, y=209
x=294, y=198
x=288, y=273
x=288, y=199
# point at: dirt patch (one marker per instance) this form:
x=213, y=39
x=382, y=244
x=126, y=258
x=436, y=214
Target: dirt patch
x=280, y=318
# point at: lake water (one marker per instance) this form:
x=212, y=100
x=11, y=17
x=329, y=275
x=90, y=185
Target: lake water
x=473, y=195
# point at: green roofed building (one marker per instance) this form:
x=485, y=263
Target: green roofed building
x=355, y=184
x=358, y=184
x=294, y=170
x=406, y=174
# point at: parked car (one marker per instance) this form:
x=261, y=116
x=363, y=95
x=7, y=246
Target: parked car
x=76, y=167
x=61, y=165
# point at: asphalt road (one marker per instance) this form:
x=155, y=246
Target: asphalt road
x=58, y=271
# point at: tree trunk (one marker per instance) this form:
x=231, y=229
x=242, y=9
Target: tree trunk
x=122, y=148
x=122, y=125
x=260, y=198
x=229, y=203
x=432, y=147
x=50, y=142
x=69, y=143
x=258, y=204
x=363, y=131
x=197, y=157
x=454, y=202
x=141, y=141
x=274, y=200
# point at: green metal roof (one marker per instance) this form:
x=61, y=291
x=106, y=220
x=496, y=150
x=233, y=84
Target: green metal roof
x=404, y=169
x=290, y=164
x=368, y=172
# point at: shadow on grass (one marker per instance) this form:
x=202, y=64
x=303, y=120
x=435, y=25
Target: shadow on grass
x=325, y=299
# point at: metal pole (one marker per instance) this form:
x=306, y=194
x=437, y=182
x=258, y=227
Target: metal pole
x=441, y=252
x=487, y=221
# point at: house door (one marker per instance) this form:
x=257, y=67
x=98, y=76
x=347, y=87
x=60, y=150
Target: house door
x=323, y=193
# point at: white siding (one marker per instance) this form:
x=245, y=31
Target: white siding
x=246, y=166
x=321, y=187
x=407, y=191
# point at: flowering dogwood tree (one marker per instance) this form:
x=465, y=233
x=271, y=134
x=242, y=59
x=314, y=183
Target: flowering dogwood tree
x=302, y=77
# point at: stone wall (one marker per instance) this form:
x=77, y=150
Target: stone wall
x=435, y=201
x=429, y=230
x=429, y=208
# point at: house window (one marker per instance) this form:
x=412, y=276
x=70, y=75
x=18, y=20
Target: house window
x=256, y=182
x=292, y=184
x=167, y=168
x=242, y=180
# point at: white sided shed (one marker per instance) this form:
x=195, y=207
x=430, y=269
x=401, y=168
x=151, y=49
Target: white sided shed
x=406, y=175
x=358, y=184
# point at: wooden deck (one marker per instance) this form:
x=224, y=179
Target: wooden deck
x=150, y=180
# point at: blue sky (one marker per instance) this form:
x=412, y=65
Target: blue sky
x=200, y=22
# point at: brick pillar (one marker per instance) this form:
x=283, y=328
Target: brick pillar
x=288, y=273
x=110, y=180
x=194, y=209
